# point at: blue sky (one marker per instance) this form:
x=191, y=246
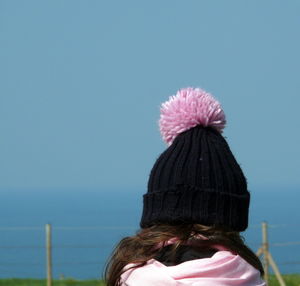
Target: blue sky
x=82, y=82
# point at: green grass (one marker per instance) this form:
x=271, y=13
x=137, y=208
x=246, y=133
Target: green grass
x=42, y=282
x=290, y=280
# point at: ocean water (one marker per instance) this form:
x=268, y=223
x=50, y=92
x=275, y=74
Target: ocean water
x=86, y=225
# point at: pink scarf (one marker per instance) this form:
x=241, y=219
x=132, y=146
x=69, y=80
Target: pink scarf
x=222, y=269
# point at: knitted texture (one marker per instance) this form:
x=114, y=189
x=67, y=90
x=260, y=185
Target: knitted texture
x=197, y=180
x=188, y=108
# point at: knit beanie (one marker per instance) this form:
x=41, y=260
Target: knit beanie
x=196, y=179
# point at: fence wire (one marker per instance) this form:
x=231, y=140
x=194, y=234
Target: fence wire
x=101, y=246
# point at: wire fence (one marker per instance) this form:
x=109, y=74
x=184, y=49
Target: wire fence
x=100, y=249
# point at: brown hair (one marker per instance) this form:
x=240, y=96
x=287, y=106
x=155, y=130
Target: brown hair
x=141, y=247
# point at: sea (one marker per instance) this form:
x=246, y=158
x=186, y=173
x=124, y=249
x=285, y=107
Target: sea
x=87, y=224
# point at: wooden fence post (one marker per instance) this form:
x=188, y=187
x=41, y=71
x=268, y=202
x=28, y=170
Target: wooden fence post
x=268, y=259
x=48, y=255
x=265, y=248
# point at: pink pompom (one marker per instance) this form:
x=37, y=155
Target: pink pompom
x=188, y=108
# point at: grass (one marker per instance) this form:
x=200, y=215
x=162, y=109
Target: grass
x=42, y=282
x=290, y=280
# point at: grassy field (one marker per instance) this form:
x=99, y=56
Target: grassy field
x=42, y=282
x=290, y=280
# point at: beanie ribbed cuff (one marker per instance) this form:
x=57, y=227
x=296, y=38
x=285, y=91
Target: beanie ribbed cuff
x=189, y=204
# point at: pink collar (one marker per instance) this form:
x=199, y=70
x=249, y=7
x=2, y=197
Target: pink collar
x=222, y=269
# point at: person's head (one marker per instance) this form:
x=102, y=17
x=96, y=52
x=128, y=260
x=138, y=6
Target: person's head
x=195, y=187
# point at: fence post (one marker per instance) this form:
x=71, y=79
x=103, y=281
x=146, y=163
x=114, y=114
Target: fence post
x=268, y=259
x=265, y=251
x=276, y=270
x=48, y=254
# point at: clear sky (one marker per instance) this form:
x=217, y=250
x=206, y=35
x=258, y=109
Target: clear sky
x=82, y=82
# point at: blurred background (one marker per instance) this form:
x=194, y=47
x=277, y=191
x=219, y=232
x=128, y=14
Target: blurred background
x=81, y=86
